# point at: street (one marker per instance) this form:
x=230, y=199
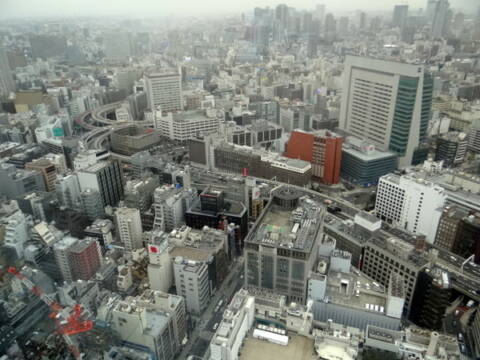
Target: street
x=200, y=338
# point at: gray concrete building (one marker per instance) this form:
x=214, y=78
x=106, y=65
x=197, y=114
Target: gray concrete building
x=281, y=249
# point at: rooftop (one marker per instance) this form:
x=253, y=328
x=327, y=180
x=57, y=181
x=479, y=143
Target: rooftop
x=298, y=348
x=356, y=290
x=295, y=229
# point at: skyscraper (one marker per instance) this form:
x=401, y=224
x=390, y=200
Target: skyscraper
x=400, y=14
x=164, y=89
x=388, y=104
x=129, y=228
x=7, y=85
x=104, y=177
x=441, y=18
x=320, y=13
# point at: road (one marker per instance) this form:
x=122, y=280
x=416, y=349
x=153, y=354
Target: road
x=199, y=339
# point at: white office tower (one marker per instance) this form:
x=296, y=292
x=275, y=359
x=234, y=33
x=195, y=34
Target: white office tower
x=160, y=275
x=164, y=89
x=388, y=104
x=16, y=232
x=7, y=84
x=129, y=228
x=191, y=281
x=411, y=203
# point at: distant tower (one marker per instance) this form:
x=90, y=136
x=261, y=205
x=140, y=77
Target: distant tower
x=7, y=85
x=441, y=18
x=400, y=14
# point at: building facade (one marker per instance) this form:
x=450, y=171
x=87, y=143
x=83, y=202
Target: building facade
x=164, y=90
x=387, y=104
x=323, y=149
x=411, y=203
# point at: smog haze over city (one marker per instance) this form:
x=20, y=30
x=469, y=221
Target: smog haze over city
x=239, y=180
x=153, y=8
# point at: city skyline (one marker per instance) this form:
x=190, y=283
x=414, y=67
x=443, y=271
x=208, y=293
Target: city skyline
x=150, y=8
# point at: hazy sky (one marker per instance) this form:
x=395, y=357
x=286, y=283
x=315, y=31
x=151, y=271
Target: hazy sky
x=23, y=8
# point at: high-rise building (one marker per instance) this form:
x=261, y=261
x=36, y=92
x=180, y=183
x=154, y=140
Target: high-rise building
x=48, y=171
x=431, y=298
x=388, y=104
x=129, y=228
x=330, y=26
x=384, y=256
x=7, y=84
x=106, y=178
x=191, y=281
x=323, y=149
x=459, y=232
x=170, y=204
x=400, y=14
x=343, y=25
x=279, y=259
x=92, y=204
x=85, y=258
x=15, y=231
x=411, y=203
x=77, y=259
x=164, y=90
x=320, y=12
x=441, y=18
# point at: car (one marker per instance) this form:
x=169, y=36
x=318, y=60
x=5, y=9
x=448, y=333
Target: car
x=463, y=349
x=460, y=337
x=215, y=326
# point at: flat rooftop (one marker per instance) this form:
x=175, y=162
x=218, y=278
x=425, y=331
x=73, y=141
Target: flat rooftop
x=190, y=253
x=292, y=229
x=298, y=348
x=356, y=290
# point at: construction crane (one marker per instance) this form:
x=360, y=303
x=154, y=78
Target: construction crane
x=69, y=320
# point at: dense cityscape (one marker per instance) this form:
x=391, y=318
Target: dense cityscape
x=274, y=184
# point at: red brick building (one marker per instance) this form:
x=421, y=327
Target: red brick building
x=85, y=258
x=322, y=148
